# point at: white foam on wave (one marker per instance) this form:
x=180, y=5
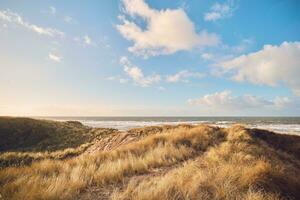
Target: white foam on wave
x=126, y=125
x=279, y=128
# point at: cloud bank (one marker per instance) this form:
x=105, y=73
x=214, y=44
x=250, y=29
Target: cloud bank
x=226, y=101
x=273, y=65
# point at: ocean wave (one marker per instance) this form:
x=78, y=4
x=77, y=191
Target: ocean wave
x=125, y=125
x=275, y=126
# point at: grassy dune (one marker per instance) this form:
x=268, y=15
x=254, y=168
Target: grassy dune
x=184, y=162
x=25, y=134
x=24, y=140
x=241, y=167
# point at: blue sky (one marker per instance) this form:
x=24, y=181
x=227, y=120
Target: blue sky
x=150, y=58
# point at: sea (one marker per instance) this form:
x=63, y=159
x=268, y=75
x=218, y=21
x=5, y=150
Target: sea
x=285, y=125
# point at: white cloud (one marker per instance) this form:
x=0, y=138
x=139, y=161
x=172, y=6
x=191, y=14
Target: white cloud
x=11, y=17
x=69, y=19
x=123, y=80
x=111, y=78
x=225, y=101
x=117, y=78
x=273, y=65
x=124, y=60
x=283, y=102
x=207, y=56
x=54, y=57
x=167, y=31
x=85, y=40
x=242, y=46
x=183, y=76
x=160, y=88
x=226, y=52
x=52, y=10
x=4, y=26
x=137, y=75
x=220, y=11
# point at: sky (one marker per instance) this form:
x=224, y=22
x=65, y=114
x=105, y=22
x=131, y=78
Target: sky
x=150, y=58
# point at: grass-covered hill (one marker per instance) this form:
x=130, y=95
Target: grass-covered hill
x=25, y=140
x=25, y=134
x=178, y=163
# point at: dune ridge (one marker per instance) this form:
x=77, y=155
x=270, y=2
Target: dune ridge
x=169, y=162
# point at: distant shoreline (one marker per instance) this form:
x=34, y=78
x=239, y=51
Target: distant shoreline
x=285, y=125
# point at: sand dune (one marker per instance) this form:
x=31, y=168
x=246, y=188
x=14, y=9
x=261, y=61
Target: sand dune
x=168, y=162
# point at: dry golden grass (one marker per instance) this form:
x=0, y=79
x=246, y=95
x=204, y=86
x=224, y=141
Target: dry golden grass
x=239, y=168
x=51, y=179
x=10, y=159
x=179, y=163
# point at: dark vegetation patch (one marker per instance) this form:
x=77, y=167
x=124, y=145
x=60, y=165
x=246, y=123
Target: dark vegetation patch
x=25, y=134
